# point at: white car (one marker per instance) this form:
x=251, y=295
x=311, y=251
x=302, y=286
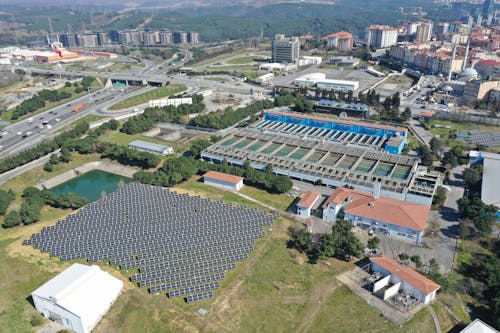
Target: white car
x=58, y=120
x=19, y=133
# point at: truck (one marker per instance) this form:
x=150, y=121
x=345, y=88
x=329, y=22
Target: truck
x=79, y=107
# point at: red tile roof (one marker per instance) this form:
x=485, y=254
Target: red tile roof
x=395, y=212
x=489, y=62
x=340, y=34
x=308, y=199
x=223, y=177
x=298, y=115
x=405, y=273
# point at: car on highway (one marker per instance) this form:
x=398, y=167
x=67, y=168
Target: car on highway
x=2, y=134
x=58, y=120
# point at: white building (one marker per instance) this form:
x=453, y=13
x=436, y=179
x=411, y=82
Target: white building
x=319, y=80
x=400, y=277
x=306, y=203
x=150, y=147
x=285, y=49
x=223, y=180
x=170, y=101
x=308, y=60
x=277, y=67
x=78, y=297
x=382, y=36
x=478, y=326
x=263, y=79
x=395, y=218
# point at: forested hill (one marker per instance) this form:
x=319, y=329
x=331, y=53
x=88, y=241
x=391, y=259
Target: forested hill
x=289, y=18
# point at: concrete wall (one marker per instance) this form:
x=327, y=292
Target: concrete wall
x=392, y=290
x=381, y=283
x=303, y=211
x=222, y=184
x=96, y=165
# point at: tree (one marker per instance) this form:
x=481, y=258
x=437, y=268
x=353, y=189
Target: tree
x=5, y=198
x=198, y=146
x=373, y=243
x=302, y=240
x=281, y=184
x=449, y=160
x=30, y=212
x=416, y=260
x=49, y=167
x=425, y=155
x=403, y=257
x=406, y=115
x=433, y=267
x=70, y=200
x=484, y=223
x=472, y=178
x=12, y=219
x=436, y=146
x=341, y=243
x=439, y=197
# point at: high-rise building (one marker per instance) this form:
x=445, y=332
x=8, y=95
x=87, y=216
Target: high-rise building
x=103, y=38
x=193, y=37
x=180, y=37
x=424, y=32
x=488, y=8
x=285, y=49
x=341, y=40
x=151, y=38
x=69, y=40
x=87, y=40
x=382, y=36
x=165, y=38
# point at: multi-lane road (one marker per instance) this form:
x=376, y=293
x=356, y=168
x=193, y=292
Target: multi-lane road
x=43, y=126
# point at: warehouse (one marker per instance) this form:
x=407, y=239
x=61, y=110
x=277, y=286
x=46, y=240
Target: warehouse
x=397, y=277
x=150, y=147
x=320, y=81
x=78, y=297
x=223, y=180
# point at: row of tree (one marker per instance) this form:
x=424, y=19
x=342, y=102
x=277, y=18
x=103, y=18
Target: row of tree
x=5, y=199
x=37, y=102
x=170, y=114
x=341, y=243
x=34, y=200
x=175, y=170
x=43, y=148
x=229, y=117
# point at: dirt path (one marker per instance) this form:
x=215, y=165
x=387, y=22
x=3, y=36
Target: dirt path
x=314, y=303
x=435, y=319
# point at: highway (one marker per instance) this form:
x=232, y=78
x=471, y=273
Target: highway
x=14, y=139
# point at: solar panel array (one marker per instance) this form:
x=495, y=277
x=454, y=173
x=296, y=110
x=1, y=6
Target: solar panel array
x=181, y=244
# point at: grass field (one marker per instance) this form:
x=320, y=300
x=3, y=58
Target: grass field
x=145, y=97
x=124, y=139
x=274, y=290
x=243, y=60
x=6, y=116
x=234, y=68
x=456, y=126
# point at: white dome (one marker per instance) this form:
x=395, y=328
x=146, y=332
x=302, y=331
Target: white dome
x=468, y=73
x=447, y=88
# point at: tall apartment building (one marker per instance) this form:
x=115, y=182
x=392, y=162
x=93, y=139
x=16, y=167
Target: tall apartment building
x=151, y=38
x=193, y=37
x=423, y=32
x=382, y=36
x=180, y=37
x=165, y=38
x=103, y=38
x=69, y=40
x=87, y=40
x=341, y=40
x=285, y=49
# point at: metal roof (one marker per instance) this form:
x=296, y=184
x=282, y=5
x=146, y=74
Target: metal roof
x=490, y=191
x=139, y=144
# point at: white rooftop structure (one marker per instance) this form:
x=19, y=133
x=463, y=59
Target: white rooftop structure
x=490, y=189
x=150, y=147
x=78, y=297
x=478, y=326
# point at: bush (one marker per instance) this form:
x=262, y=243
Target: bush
x=49, y=167
x=36, y=320
x=12, y=219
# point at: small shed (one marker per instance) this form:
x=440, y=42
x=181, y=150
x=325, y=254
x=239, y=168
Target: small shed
x=223, y=180
x=78, y=297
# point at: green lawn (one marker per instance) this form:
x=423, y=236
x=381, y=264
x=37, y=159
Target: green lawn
x=243, y=60
x=280, y=201
x=124, y=139
x=160, y=92
x=215, y=78
x=234, y=68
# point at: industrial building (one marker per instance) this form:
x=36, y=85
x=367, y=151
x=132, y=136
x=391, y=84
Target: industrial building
x=170, y=101
x=284, y=49
x=320, y=81
x=396, y=277
x=223, y=180
x=150, y=147
x=342, y=109
x=478, y=326
x=78, y=297
x=335, y=151
x=306, y=203
x=368, y=211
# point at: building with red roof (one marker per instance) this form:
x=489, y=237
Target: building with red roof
x=306, y=203
x=223, y=180
x=341, y=40
x=402, y=278
x=488, y=69
x=390, y=217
